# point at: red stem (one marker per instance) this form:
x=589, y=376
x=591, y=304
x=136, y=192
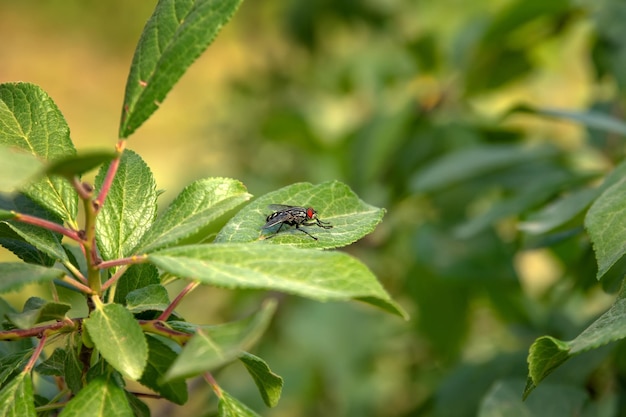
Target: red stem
x=170, y=309
x=46, y=224
x=40, y=331
x=33, y=359
x=208, y=377
x=110, y=175
x=135, y=259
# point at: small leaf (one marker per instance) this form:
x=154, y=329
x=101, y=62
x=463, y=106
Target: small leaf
x=547, y=353
x=591, y=119
x=76, y=165
x=136, y=276
x=30, y=120
x=214, y=346
x=559, y=212
x=229, y=406
x=120, y=340
x=16, y=168
x=334, y=202
x=471, y=163
x=14, y=275
x=175, y=35
x=270, y=385
x=553, y=400
x=160, y=359
x=606, y=224
x=37, y=310
x=101, y=397
x=16, y=397
x=12, y=363
x=42, y=240
x=129, y=209
x=151, y=297
x=199, y=204
x=54, y=364
x=72, y=367
x=320, y=275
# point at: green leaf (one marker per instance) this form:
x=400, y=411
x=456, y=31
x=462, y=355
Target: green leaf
x=214, y=346
x=270, y=385
x=16, y=397
x=606, y=224
x=72, y=367
x=120, y=340
x=320, y=275
x=14, y=275
x=101, y=397
x=229, y=406
x=37, y=310
x=54, y=364
x=334, y=202
x=547, y=353
x=76, y=165
x=174, y=36
x=136, y=276
x=129, y=209
x=6, y=215
x=41, y=240
x=30, y=120
x=559, y=212
x=160, y=359
x=591, y=119
x=199, y=204
x=12, y=363
x=16, y=168
x=470, y=163
x=552, y=400
x=139, y=408
x=151, y=297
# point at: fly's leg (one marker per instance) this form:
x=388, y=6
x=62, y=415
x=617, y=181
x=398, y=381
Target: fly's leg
x=318, y=222
x=302, y=230
x=276, y=232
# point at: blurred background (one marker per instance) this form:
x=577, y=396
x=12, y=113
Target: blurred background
x=414, y=104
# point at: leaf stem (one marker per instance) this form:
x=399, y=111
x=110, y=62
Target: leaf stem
x=77, y=274
x=208, y=377
x=36, y=353
x=162, y=329
x=40, y=331
x=135, y=259
x=170, y=309
x=110, y=175
x=79, y=286
x=46, y=224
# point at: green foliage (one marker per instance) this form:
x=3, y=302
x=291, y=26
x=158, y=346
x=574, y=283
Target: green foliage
x=120, y=261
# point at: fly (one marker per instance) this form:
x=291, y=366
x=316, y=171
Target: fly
x=293, y=216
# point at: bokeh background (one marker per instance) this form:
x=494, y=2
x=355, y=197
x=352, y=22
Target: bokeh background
x=372, y=93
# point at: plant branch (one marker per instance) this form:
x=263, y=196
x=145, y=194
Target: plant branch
x=162, y=329
x=46, y=224
x=135, y=259
x=79, y=286
x=40, y=331
x=35, y=356
x=110, y=175
x=77, y=274
x=170, y=309
x=208, y=377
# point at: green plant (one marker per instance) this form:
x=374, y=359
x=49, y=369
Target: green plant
x=122, y=254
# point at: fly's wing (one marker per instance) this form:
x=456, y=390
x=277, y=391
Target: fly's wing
x=279, y=207
x=277, y=218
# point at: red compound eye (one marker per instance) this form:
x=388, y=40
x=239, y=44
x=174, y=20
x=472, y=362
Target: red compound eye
x=310, y=212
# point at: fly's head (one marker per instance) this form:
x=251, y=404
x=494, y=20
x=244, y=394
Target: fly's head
x=310, y=213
